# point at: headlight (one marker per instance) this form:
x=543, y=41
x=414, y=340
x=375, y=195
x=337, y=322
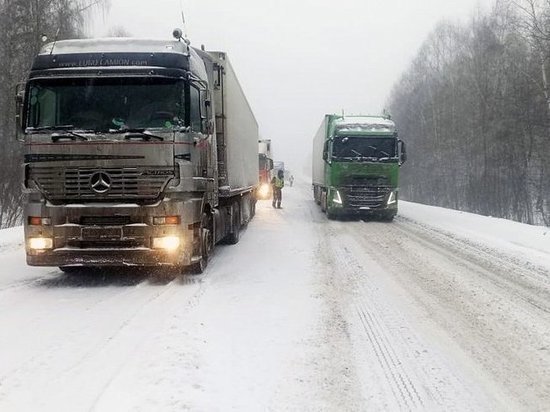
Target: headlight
x=40, y=243
x=392, y=198
x=167, y=242
x=264, y=190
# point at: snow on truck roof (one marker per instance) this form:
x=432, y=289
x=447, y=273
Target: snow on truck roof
x=75, y=54
x=114, y=45
x=364, y=123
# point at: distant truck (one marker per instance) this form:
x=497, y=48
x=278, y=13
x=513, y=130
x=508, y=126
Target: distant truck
x=278, y=165
x=137, y=152
x=356, y=162
x=265, y=160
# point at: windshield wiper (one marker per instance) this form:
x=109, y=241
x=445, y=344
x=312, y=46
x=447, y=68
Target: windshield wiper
x=50, y=128
x=379, y=151
x=68, y=134
x=136, y=133
x=66, y=128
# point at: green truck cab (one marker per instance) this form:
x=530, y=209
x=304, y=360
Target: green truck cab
x=356, y=161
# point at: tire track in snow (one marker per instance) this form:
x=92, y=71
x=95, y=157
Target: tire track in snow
x=519, y=262
x=418, y=374
x=477, y=297
x=150, y=320
x=522, y=279
x=402, y=387
x=49, y=357
x=374, y=324
x=21, y=284
x=47, y=351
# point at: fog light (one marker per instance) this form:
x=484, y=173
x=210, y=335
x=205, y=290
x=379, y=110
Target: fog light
x=40, y=243
x=166, y=242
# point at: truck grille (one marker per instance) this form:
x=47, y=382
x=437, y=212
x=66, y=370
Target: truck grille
x=371, y=197
x=365, y=181
x=124, y=184
x=105, y=220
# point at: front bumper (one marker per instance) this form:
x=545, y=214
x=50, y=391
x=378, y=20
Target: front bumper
x=106, y=257
x=365, y=201
x=111, y=235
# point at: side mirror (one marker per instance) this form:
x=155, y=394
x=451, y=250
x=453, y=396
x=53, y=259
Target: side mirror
x=325, y=151
x=207, y=126
x=402, y=151
x=19, y=104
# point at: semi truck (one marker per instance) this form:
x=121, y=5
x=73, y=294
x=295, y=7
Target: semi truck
x=278, y=165
x=265, y=160
x=137, y=152
x=356, y=161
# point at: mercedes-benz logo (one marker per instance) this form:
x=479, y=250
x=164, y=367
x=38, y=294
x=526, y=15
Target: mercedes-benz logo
x=100, y=182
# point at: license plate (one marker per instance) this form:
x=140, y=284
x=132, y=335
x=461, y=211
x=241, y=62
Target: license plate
x=101, y=233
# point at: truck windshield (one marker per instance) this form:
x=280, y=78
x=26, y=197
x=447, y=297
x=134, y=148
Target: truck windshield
x=105, y=104
x=363, y=148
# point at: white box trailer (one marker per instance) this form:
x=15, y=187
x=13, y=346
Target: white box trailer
x=236, y=130
x=318, y=163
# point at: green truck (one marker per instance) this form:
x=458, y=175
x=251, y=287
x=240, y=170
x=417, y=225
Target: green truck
x=356, y=162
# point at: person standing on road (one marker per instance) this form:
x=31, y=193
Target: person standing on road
x=277, y=183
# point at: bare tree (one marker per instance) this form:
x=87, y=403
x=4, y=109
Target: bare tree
x=22, y=25
x=476, y=120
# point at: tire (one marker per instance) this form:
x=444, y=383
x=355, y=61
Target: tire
x=323, y=202
x=234, y=236
x=316, y=196
x=387, y=217
x=252, y=208
x=205, y=242
x=69, y=270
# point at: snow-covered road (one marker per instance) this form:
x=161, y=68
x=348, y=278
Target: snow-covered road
x=439, y=310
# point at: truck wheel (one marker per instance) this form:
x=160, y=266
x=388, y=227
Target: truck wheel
x=316, y=195
x=252, y=208
x=205, y=245
x=323, y=201
x=71, y=269
x=233, y=237
x=388, y=217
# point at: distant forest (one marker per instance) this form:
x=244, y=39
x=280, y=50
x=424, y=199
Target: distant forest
x=474, y=110
x=23, y=23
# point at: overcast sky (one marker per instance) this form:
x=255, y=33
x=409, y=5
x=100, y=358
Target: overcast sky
x=299, y=59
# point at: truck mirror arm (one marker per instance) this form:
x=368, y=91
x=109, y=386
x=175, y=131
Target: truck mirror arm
x=19, y=102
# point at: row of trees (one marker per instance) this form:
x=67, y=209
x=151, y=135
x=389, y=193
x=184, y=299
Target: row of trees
x=22, y=26
x=474, y=107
